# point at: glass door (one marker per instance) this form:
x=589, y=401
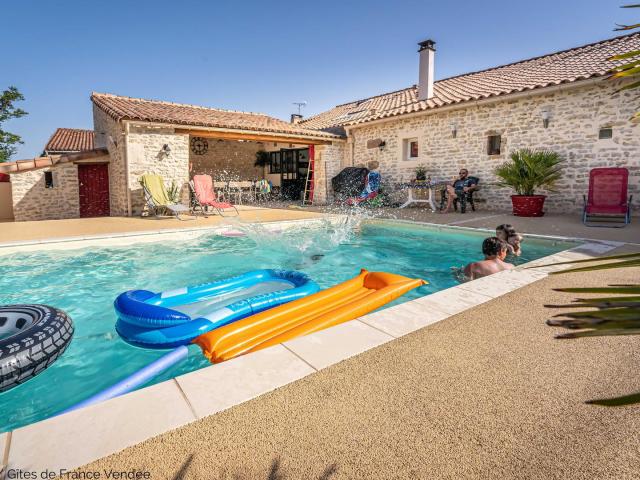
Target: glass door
x=294, y=164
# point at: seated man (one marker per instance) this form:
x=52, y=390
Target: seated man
x=495, y=251
x=463, y=185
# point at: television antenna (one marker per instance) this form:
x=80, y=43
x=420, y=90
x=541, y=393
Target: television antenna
x=300, y=105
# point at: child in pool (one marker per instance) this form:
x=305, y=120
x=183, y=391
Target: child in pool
x=495, y=251
x=513, y=239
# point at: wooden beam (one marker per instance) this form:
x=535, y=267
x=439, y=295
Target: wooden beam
x=254, y=137
x=87, y=154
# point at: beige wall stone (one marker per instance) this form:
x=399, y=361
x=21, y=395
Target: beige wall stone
x=577, y=114
x=328, y=163
x=32, y=201
x=228, y=160
x=144, y=153
x=109, y=134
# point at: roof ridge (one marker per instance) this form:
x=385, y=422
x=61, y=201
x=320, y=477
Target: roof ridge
x=75, y=129
x=526, y=60
x=121, y=107
x=164, y=102
x=376, y=96
x=558, y=52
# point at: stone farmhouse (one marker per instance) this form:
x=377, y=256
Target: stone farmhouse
x=564, y=101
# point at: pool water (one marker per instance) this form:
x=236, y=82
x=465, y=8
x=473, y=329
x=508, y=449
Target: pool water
x=84, y=283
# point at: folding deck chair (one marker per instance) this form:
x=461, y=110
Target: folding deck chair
x=203, y=196
x=157, y=199
x=607, y=204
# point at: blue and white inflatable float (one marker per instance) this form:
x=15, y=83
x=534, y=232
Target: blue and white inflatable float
x=175, y=317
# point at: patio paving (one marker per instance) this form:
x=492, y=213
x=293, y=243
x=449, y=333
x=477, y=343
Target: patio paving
x=483, y=394
x=81, y=227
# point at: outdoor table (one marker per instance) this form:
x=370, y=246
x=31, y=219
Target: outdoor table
x=429, y=186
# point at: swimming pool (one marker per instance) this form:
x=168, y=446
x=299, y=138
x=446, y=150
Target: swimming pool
x=84, y=282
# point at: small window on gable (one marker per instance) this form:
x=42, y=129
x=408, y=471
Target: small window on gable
x=605, y=133
x=411, y=150
x=493, y=144
x=48, y=179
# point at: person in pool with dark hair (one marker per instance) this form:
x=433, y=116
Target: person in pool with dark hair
x=513, y=239
x=495, y=251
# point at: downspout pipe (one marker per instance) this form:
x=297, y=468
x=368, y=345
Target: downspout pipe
x=126, y=167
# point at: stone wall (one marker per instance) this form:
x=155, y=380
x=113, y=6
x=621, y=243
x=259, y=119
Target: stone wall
x=328, y=163
x=577, y=114
x=142, y=147
x=32, y=201
x=110, y=135
x=144, y=151
x=228, y=160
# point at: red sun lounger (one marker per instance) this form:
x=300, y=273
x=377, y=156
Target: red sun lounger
x=205, y=196
x=607, y=204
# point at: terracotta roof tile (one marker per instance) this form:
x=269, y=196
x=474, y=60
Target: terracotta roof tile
x=557, y=68
x=70, y=140
x=127, y=108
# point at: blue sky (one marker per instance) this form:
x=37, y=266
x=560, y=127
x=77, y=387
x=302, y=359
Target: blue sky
x=263, y=55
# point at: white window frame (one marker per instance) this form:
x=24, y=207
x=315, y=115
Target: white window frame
x=406, y=149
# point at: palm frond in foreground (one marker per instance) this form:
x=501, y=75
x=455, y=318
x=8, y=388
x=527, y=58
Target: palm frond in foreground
x=615, y=313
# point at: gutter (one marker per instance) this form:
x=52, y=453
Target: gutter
x=126, y=165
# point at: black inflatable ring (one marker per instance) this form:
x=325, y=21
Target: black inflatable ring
x=32, y=337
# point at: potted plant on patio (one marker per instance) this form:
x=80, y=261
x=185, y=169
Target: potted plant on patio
x=527, y=171
x=421, y=174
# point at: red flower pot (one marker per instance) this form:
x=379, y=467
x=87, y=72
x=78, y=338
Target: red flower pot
x=528, y=205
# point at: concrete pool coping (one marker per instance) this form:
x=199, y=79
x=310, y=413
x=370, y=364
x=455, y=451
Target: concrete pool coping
x=145, y=236
x=151, y=236
x=74, y=439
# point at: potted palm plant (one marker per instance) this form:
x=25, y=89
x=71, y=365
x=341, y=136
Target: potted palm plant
x=527, y=171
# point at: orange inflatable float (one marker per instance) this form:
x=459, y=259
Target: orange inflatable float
x=338, y=304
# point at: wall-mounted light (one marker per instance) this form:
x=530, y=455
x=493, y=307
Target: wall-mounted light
x=382, y=145
x=165, y=150
x=546, y=115
x=454, y=129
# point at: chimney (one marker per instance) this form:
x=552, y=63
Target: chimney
x=427, y=53
x=296, y=118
